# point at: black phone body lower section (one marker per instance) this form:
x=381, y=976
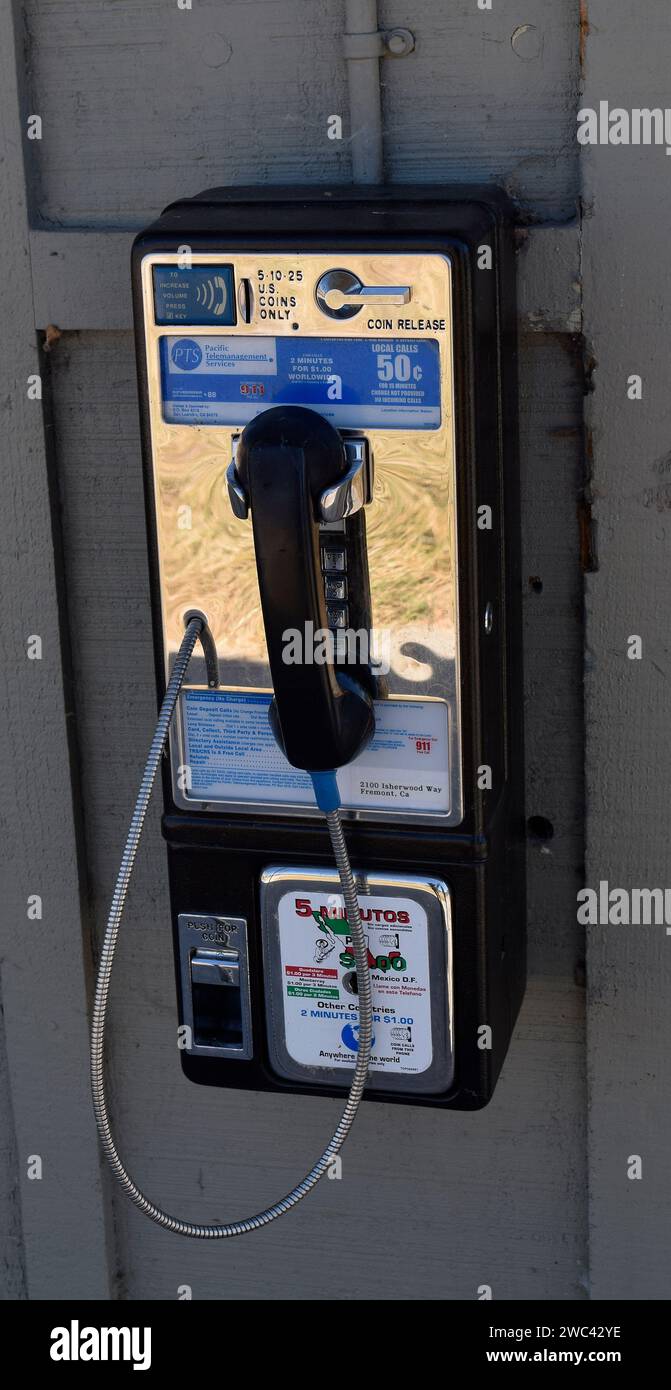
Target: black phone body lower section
x=487, y=957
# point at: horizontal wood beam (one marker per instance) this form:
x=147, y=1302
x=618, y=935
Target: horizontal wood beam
x=82, y=279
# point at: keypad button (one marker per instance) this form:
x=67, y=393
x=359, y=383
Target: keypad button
x=335, y=587
x=337, y=615
x=333, y=560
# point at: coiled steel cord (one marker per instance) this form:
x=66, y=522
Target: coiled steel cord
x=163, y=1218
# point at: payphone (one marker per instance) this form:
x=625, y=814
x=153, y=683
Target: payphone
x=327, y=393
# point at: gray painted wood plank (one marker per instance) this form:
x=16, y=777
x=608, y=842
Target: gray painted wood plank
x=627, y=309
x=12, y=1264
x=552, y=478
x=81, y=279
x=548, y=280
x=245, y=88
x=43, y=966
x=487, y=94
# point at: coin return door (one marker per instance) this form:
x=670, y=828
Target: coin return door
x=215, y=986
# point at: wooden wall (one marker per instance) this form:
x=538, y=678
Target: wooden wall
x=141, y=104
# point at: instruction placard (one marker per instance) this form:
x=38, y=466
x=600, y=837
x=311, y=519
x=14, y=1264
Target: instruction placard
x=231, y=756
x=321, y=1010
x=357, y=383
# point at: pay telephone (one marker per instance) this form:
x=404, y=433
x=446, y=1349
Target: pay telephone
x=327, y=393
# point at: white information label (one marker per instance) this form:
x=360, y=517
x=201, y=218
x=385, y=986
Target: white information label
x=233, y=757
x=321, y=1011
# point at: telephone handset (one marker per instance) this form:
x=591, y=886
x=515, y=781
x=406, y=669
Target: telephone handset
x=292, y=472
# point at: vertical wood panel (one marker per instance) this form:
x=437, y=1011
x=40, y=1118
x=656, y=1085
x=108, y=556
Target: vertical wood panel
x=145, y=102
x=486, y=95
x=42, y=961
x=627, y=308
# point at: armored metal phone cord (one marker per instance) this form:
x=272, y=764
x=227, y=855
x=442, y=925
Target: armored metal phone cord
x=193, y=632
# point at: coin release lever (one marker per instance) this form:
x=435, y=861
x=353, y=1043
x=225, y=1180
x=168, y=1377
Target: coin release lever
x=341, y=295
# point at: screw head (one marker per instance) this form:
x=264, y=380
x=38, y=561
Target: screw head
x=399, y=42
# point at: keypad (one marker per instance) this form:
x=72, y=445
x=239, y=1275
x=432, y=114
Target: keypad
x=334, y=573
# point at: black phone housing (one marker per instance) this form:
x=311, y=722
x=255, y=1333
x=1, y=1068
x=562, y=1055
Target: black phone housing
x=215, y=860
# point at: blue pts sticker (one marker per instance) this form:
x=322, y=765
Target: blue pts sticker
x=357, y=383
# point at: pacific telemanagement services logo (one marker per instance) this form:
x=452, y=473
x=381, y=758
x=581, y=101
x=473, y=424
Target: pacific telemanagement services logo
x=617, y=126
